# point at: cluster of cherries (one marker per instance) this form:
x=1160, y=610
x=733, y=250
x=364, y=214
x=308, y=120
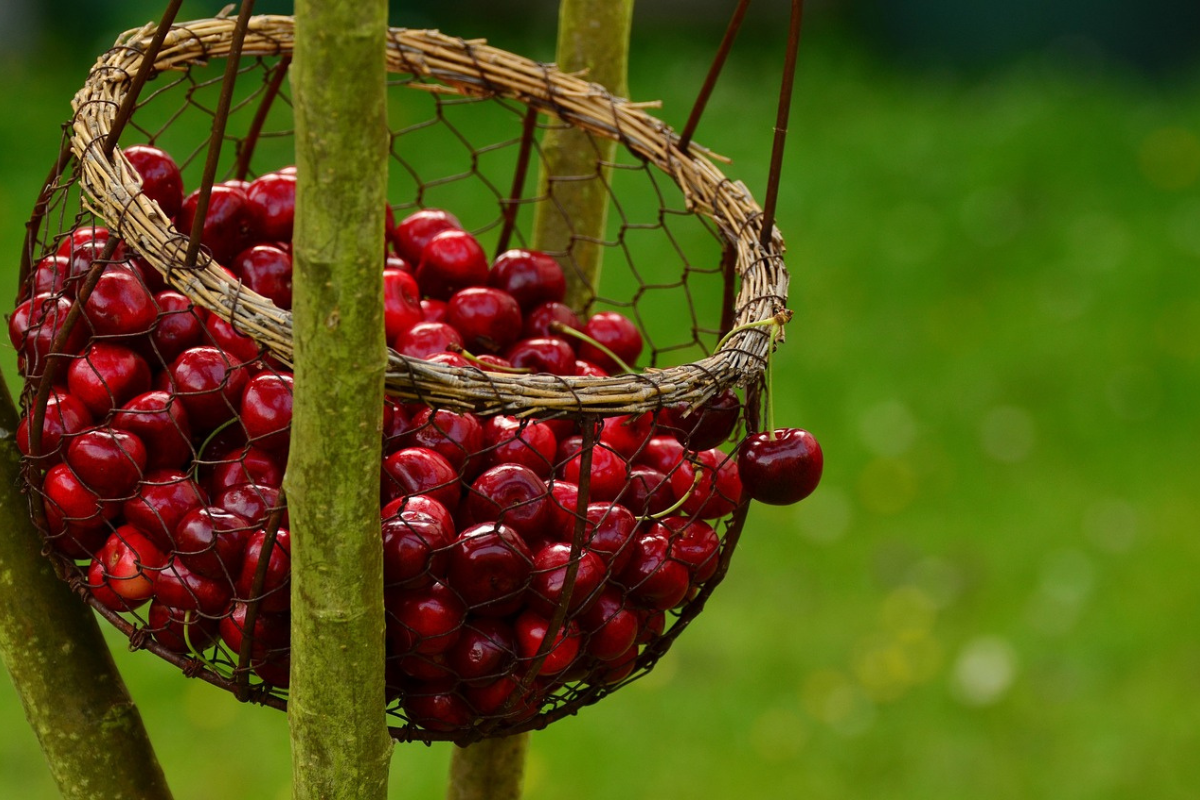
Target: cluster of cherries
x=165, y=437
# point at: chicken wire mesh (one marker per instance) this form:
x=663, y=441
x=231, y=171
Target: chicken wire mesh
x=548, y=531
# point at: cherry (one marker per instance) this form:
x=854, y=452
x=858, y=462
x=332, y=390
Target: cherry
x=130, y=564
x=271, y=206
x=226, y=228
x=529, y=443
x=391, y=261
x=161, y=180
x=210, y=541
x=693, y=542
x=541, y=322
x=531, y=630
x=419, y=470
x=587, y=369
x=161, y=422
x=512, y=494
x=488, y=319
x=414, y=549
x=267, y=270
x=709, y=425
x=489, y=568
x=780, y=468
x=485, y=651
x=651, y=624
x=179, y=587
x=493, y=699
x=426, y=621
x=418, y=229
x=244, y=464
x=563, y=510
x=253, y=502
x=618, y=669
x=608, y=474
x=50, y=276
x=274, y=597
x=174, y=628
x=423, y=504
x=449, y=360
x=652, y=576
x=209, y=383
x=661, y=453
x=531, y=277
x=437, y=706
x=240, y=347
x=615, y=332
x=72, y=505
x=426, y=339
x=627, y=433
x=455, y=436
x=109, y=462
x=178, y=327
x=396, y=423
x=548, y=583
x=610, y=529
x=106, y=376
x=401, y=303
x=266, y=410
x=611, y=628
x=452, y=260
x=549, y=354
x=707, y=484
x=649, y=491
x=65, y=415
x=270, y=655
x=82, y=248
x=35, y=324
x=163, y=498
x=433, y=310
x=120, y=305
x=423, y=667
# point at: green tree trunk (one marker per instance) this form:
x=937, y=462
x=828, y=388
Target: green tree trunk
x=593, y=35
x=88, y=727
x=340, y=743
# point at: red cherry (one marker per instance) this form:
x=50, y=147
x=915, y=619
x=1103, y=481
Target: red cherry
x=161, y=422
x=240, y=347
x=548, y=583
x=653, y=577
x=401, y=303
x=414, y=549
x=418, y=229
x=512, y=494
x=418, y=470
x=161, y=181
x=563, y=510
x=106, y=376
x=73, y=505
x=271, y=206
x=488, y=319
x=82, y=248
x=426, y=339
x=608, y=474
x=422, y=504
x=130, y=564
x=781, y=469
x=266, y=410
x=35, y=324
x=65, y=415
x=109, y=462
x=243, y=464
x=274, y=597
x=485, y=651
x=661, y=453
x=270, y=655
x=425, y=621
x=717, y=490
x=530, y=276
x=267, y=270
x=178, y=327
x=649, y=491
x=541, y=322
x=709, y=425
x=175, y=628
x=452, y=260
x=437, y=706
x=120, y=305
x=163, y=498
x=433, y=310
x=455, y=436
x=531, y=630
x=610, y=529
x=628, y=433
x=179, y=587
x=50, y=276
x=615, y=332
x=550, y=355
x=226, y=230
x=529, y=443
x=586, y=369
x=610, y=628
x=210, y=541
x=209, y=383
x=489, y=568
x=494, y=699
x=253, y=502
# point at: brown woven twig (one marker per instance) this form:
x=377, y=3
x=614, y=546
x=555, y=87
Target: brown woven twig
x=469, y=68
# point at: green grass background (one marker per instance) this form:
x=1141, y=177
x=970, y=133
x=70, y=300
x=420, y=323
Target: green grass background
x=996, y=280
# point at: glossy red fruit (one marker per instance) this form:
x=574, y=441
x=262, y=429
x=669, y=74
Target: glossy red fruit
x=240, y=347
x=163, y=498
x=547, y=319
x=424, y=621
x=649, y=491
x=609, y=627
x=438, y=706
x=628, y=433
x=109, y=462
x=50, y=276
x=452, y=260
x=161, y=180
x=661, y=453
x=618, y=334
x=418, y=229
x=120, y=305
x=550, y=355
x=106, y=376
x=266, y=410
x=65, y=415
x=34, y=326
x=529, y=443
x=209, y=383
x=130, y=565
x=266, y=269
x=426, y=339
x=484, y=652
x=415, y=549
x=275, y=592
x=705, y=427
x=562, y=510
x=433, y=310
x=271, y=206
x=72, y=504
x=422, y=504
x=226, y=227
x=457, y=437
x=178, y=327
x=180, y=631
x=531, y=630
x=548, y=583
x=253, y=502
x=82, y=249
x=419, y=470
x=511, y=494
x=496, y=700
x=401, y=303
x=488, y=319
x=694, y=543
x=270, y=654
x=489, y=568
x=160, y=421
x=708, y=484
x=653, y=577
x=608, y=474
x=243, y=464
x=609, y=533
x=780, y=468
x=530, y=276
x=82, y=237
x=210, y=542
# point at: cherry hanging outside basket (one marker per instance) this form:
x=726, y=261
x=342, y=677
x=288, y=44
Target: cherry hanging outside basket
x=547, y=535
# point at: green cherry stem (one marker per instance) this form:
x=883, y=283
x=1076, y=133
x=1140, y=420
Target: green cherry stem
x=666, y=512
x=558, y=327
x=205, y=444
x=776, y=324
x=485, y=366
x=196, y=654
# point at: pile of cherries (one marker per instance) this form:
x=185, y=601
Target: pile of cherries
x=165, y=438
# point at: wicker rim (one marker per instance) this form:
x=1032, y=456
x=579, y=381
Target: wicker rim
x=112, y=190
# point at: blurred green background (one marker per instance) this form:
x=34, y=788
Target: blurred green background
x=996, y=277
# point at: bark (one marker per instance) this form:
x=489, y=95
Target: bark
x=593, y=36
x=88, y=727
x=340, y=743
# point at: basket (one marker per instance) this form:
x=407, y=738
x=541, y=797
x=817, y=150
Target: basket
x=95, y=184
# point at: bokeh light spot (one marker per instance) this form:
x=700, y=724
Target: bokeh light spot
x=1111, y=525
x=1007, y=434
x=984, y=670
x=888, y=428
x=887, y=486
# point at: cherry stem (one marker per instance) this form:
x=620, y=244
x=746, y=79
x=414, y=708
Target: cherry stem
x=205, y=444
x=778, y=321
x=196, y=654
x=666, y=512
x=771, y=389
x=558, y=327
x=454, y=347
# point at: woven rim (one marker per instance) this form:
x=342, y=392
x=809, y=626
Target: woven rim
x=112, y=190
